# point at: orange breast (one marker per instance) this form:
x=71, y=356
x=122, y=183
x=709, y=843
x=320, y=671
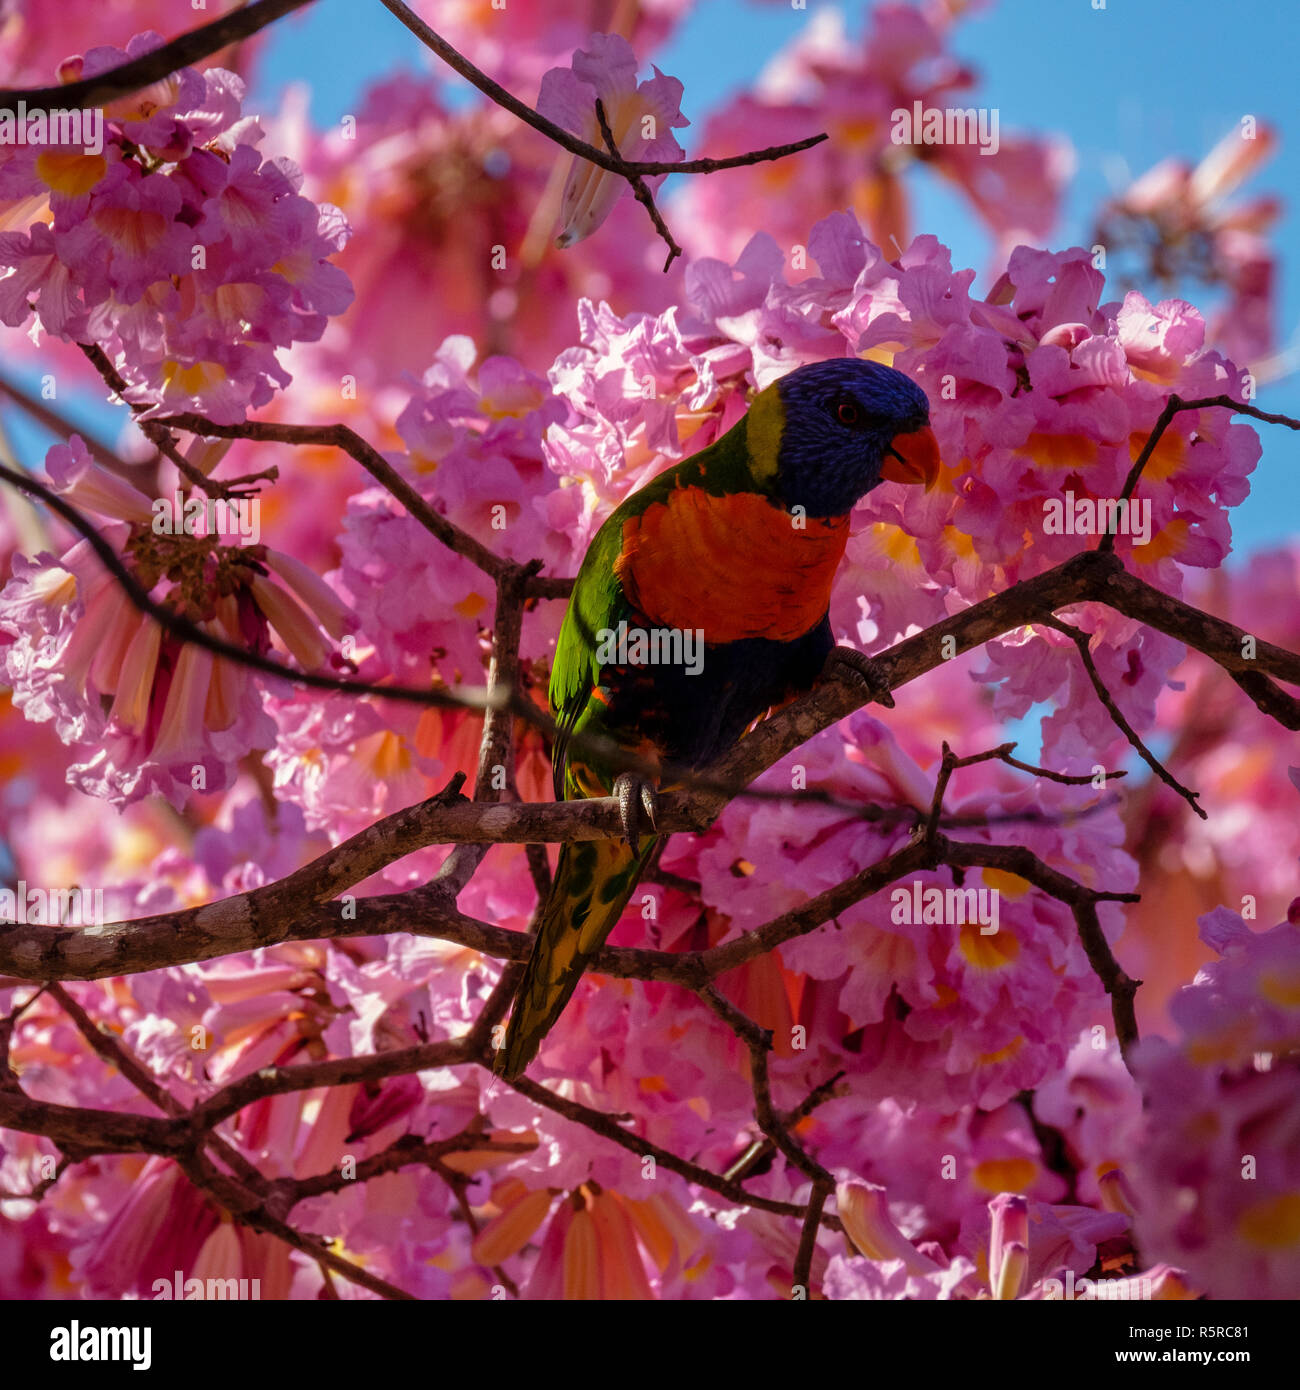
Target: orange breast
x=736, y=566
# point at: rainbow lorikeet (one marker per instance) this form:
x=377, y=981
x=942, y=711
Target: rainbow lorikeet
x=701, y=603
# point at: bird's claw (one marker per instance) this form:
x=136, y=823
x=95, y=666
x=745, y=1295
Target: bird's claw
x=637, y=799
x=849, y=664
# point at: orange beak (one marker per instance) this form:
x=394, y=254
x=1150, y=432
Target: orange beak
x=913, y=458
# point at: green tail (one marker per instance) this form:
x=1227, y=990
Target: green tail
x=593, y=881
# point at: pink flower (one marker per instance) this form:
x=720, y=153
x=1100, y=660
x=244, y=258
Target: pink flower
x=475, y=442
x=1096, y=1105
x=165, y=1225
x=1177, y=222
x=1216, y=1175
x=346, y=762
x=148, y=712
x=1059, y=1238
x=641, y=118
x=130, y=238
x=1245, y=855
x=38, y=279
x=892, y=1279
x=853, y=90
x=179, y=251
x=518, y=45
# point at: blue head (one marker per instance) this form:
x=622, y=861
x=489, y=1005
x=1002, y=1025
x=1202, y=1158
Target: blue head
x=831, y=431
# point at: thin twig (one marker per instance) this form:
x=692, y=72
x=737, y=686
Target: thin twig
x=1081, y=640
x=189, y=48
x=752, y=1160
x=639, y=188
x=456, y=61
x=154, y=430
x=340, y=436
x=802, y=1276
x=1174, y=406
x=1002, y=753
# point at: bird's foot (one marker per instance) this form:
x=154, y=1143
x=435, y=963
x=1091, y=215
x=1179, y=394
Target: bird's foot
x=849, y=664
x=637, y=801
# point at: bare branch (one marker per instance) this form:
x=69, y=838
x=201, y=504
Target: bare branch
x=1002, y=753
x=1173, y=406
x=1081, y=640
x=639, y=187
x=454, y=60
x=247, y=920
x=802, y=1277
x=339, y=436
x=189, y=48
x=754, y=1158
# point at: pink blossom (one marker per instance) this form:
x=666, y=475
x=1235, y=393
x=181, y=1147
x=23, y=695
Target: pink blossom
x=517, y=45
x=1216, y=1173
x=852, y=89
x=641, y=117
x=144, y=709
x=1178, y=219
x=179, y=251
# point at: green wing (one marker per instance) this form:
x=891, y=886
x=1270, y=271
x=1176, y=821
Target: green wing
x=598, y=602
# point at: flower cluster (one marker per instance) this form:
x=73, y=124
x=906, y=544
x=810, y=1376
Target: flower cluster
x=145, y=711
x=170, y=243
x=640, y=118
x=853, y=90
x=1245, y=855
x=1216, y=1175
x=1177, y=222
x=1042, y=394
x=453, y=208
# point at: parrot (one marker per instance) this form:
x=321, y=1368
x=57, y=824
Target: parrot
x=731, y=552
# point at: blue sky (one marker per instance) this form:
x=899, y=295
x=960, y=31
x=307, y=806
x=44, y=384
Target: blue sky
x=1127, y=85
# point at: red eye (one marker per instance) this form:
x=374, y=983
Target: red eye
x=847, y=413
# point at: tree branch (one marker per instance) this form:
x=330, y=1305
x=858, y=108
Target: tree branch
x=1081, y=640
x=340, y=436
x=639, y=187
x=497, y=93
x=1174, y=406
x=189, y=48
x=268, y=914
